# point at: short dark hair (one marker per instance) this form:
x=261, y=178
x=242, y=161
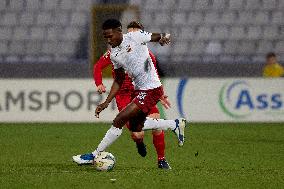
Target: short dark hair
x=270, y=55
x=135, y=24
x=111, y=24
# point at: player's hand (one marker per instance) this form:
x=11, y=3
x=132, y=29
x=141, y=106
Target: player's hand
x=100, y=108
x=101, y=89
x=165, y=101
x=165, y=39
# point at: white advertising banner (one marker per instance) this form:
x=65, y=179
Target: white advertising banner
x=52, y=100
x=198, y=100
x=226, y=100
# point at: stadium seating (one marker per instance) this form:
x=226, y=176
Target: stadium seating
x=42, y=30
x=50, y=30
x=245, y=30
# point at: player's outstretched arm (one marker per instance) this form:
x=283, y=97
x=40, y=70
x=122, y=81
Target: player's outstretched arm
x=162, y=38
x=118, y=80
x=142, y=36
x=101, y=64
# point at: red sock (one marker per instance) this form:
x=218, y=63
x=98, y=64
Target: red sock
x=159, y=143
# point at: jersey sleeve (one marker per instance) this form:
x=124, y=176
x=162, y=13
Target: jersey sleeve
x=141, y=36
x=102, y=63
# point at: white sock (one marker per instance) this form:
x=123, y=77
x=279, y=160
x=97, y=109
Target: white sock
x=111, y=135
x=161, y=124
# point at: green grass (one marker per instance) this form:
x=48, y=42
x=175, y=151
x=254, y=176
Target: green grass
x=214, y=156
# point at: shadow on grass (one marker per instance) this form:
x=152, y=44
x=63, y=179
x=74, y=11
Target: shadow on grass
x=73, y=168
x=67, y=167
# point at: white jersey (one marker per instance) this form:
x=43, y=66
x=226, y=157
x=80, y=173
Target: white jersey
x=133, y=56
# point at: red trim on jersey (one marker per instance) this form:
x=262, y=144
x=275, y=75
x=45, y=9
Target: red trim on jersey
x=153, y=59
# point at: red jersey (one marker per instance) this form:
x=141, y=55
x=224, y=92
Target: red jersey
x=104, y=61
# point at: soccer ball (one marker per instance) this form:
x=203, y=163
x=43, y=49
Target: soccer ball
x=104, y=161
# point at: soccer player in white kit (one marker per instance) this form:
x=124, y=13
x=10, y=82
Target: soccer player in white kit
x=130, y=54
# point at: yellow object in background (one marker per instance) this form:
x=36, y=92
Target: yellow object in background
x=273, y=70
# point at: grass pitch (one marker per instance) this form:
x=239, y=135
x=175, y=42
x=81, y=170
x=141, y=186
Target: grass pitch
x=214, y=156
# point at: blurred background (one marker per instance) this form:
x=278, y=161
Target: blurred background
x=214, y=64
x=210, y=38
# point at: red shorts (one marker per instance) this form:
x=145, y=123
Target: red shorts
x=146, y=100
x=122, y=100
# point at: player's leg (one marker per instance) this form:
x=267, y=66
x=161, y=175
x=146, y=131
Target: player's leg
x=158, y=136
x=138, y=138
x=136, y=115
x=136, y=118
x=159, y=141
x=122, y=100
x=129, y=112
x=147, y=100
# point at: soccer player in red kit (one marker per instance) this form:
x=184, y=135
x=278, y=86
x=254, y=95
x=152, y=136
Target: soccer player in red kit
x=125, y=96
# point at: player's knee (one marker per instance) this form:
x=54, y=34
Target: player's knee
x=154, y=115
x=118, y=122
x=135, y=125
x=137, y=136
